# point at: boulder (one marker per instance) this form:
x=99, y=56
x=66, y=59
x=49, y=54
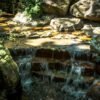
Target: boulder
x=9, y=76
x=66, y=24
x=88, y=9
x=56, y=7
x=90, y=30
x=94, y=92
x=96, y=30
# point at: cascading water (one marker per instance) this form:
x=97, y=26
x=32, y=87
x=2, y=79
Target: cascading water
x=26, y=76
x=25, y=66
x=74, y=81
x=74, y=86
x=46, y=69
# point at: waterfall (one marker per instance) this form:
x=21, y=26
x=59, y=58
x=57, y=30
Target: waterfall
x=26, y=75
x=74, y=80
x=74, y=84
x=46, y=70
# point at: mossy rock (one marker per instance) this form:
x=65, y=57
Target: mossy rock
x=9, y=75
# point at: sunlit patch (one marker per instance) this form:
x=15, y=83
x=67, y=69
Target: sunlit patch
x=11, y=23
x=77, y=33
x=6, y=29
x=83, y=47
x=3, y=19
x=3, y=25
x=85, y=38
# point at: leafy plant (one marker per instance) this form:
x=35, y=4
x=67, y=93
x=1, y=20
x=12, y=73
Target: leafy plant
x=32, y=8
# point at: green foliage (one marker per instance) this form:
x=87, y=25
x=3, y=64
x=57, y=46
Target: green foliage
x=32, y=8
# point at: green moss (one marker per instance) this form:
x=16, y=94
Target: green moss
x=1, y=46
x=3, y=61
x=7, y=58
x=2, y=52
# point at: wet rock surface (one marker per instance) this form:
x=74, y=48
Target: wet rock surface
x=94, y=91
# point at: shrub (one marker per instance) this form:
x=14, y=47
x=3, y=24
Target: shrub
x=32, y=8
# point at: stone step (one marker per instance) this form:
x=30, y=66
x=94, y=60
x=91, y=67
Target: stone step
x=52, y=53
x=88, y=68
x=60, y=78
